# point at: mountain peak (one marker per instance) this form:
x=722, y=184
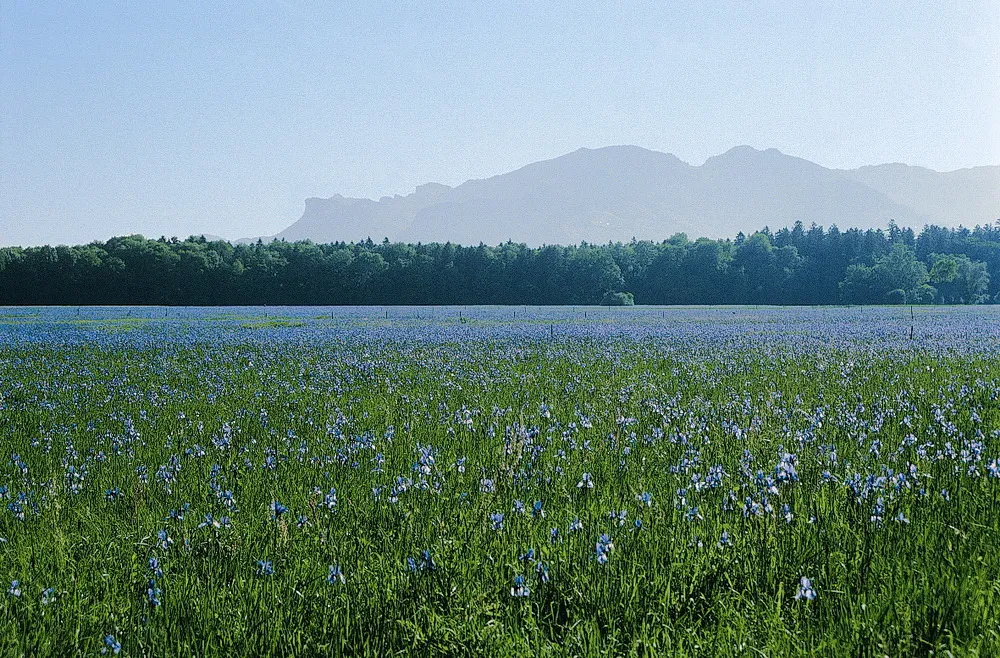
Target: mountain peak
x=743, y=149
x=431, y=188
x=625, y=155
x=745, y=153
x=618, y=192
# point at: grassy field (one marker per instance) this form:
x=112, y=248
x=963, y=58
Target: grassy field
x=716, y=482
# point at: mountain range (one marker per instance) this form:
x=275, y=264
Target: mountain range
x=620, y=192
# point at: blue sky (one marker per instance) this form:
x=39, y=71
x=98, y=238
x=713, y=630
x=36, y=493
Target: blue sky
x=173, y=118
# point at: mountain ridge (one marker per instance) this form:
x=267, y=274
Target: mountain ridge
x=615, y=193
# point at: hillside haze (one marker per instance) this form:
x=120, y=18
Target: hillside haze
x=620, y=192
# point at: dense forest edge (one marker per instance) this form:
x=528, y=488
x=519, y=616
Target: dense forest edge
x=795, y=265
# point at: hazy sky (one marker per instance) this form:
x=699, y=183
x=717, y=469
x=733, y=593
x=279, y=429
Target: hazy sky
x=179, y=117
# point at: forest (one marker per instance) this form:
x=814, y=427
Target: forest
x=795, y=265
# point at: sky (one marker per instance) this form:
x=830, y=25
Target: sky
x=180, y=118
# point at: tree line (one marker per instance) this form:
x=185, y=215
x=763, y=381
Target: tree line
x=795, y=265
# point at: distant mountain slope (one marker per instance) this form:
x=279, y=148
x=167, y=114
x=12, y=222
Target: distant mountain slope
x=340, y=218
x=620, y=192
x=964, y=196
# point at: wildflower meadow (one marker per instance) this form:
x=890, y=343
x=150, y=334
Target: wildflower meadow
x=730, y=481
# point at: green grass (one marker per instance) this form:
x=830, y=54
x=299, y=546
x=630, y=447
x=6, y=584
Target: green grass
x=926, y=587
x=271, y=324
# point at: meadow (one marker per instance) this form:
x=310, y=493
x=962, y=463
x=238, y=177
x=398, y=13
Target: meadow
x=729, y=481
